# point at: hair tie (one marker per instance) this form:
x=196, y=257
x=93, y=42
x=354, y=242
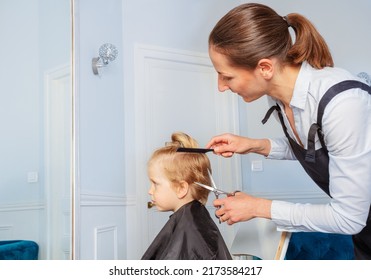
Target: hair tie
x=285, y=19
x=174, y=144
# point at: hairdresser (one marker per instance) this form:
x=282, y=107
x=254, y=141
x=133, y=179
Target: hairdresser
x=254, y=55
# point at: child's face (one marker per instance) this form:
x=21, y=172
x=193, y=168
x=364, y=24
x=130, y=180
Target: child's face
x=162, y=193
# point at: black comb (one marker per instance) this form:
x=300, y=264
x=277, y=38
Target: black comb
x=194, y=150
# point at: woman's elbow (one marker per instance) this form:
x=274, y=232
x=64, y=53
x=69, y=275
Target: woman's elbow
x=352, y=228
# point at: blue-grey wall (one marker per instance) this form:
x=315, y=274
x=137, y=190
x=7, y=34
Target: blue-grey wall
x=36, y=37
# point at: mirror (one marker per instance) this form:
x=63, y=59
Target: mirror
x=36, y=124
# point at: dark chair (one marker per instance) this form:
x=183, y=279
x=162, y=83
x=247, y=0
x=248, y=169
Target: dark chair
x=18, y=250
x=319, y=246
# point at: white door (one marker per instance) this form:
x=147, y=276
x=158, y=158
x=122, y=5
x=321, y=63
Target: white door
x=177, y=91
x=58, y=155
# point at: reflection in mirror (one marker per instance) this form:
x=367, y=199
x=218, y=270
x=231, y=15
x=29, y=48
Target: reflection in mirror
x=36, y=126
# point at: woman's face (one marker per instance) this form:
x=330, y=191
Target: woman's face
x=162, y=193
x=246, y=83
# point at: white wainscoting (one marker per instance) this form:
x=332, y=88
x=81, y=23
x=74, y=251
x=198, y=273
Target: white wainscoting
x=6, y=231
x=24, y=222
x=102, y=228
x=105, y=245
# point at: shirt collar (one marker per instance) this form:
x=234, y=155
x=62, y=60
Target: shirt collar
x=302, y=85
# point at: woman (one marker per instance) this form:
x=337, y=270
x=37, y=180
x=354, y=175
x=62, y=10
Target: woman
x=190, y=233
x=252, y=51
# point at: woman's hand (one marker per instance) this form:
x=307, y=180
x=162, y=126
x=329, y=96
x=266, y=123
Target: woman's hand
x=228, y=144
x=242, y=207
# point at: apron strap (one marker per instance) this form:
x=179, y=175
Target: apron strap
x=269, y=113
x=310, y=155
x=327, y=97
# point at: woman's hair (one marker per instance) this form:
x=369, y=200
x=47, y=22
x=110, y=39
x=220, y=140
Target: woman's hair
x=184, y=166
x=251, y=32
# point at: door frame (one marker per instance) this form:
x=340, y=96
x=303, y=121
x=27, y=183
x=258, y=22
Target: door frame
x=58, y=82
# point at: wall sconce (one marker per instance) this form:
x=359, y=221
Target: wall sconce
x=107, y=53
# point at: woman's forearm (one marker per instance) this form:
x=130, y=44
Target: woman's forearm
x=259, y=146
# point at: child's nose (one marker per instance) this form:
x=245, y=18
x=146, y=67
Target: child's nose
x=150, y=190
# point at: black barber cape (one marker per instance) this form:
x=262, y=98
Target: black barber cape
x=190, y=234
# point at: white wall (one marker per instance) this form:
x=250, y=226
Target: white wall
x=20, y=103
x=100, y=114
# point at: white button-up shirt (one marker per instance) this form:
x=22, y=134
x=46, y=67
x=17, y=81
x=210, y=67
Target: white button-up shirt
x=346, y=125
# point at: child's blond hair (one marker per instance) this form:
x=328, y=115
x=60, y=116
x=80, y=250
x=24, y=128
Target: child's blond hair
x=183, y=166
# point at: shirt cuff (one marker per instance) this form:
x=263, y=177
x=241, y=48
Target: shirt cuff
x=280, y=215
x=279, y=148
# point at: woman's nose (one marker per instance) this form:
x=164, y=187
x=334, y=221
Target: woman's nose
x=222, y=88
x=222, y=85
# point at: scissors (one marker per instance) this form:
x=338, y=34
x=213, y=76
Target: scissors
x=216, y=191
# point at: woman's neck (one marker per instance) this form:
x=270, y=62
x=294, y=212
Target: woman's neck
x=283, y=84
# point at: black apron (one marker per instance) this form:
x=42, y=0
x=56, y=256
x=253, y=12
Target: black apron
x=316, y=162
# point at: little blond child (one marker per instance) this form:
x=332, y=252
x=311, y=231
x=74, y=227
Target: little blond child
x=190, y=233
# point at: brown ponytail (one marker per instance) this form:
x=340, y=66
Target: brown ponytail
x=309, y=44
x=253, y=31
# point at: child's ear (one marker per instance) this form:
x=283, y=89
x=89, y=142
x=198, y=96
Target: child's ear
x=182, y=189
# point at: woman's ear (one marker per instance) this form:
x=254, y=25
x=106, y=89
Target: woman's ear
x=266, y=68
x=182, y=189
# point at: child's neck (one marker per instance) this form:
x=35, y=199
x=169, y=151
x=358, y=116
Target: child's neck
x=183, y=202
